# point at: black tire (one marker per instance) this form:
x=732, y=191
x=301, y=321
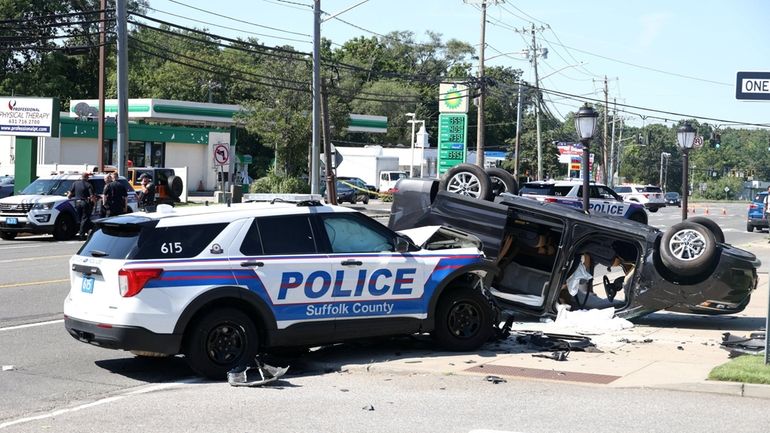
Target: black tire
x=688, y=249
x=467, y=179
x=502, y=181
x=640, y=217
x=7, y=236
x=749, y=228
x=366, y=199
x=175, y=187
x=710, y=224
x=64, y=228
x=463, y=320
x=653, y=209
x=353, y=199
x=219, y=341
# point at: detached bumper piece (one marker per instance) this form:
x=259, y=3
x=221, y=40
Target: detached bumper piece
x=754, y=344
x=259, y=375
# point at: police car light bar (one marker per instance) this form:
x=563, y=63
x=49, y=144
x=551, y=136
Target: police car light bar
x=286, y=198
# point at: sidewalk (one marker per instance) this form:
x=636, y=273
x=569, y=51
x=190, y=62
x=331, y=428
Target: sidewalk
x=682, y=351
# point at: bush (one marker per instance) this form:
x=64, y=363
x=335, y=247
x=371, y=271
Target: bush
x=279, y=185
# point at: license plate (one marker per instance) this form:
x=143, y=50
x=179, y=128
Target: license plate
x=11, y=221
x=88, y=285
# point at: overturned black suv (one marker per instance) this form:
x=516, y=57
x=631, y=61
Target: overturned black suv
x=547, y=254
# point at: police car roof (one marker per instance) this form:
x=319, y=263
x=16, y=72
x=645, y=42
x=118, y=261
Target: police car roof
x=220, y=213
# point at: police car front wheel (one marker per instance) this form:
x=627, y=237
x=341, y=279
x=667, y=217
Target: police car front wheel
x=463, y=320
x=221, y=340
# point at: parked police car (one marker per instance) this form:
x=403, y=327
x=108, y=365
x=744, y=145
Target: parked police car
x=43, y=207
x=602, y=199
x=221, y=284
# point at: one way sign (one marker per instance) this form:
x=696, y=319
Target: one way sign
x=752, y=86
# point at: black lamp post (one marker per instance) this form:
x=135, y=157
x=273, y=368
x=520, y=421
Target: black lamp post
x=585, y=125
x=685, y=137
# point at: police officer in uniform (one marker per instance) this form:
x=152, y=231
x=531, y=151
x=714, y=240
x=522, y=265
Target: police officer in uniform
x=147, y=194
x=115, y=197
x=83, y=193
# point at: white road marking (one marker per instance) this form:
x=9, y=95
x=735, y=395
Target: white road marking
x=103, y=401
x=29, y=259
x=32, y=283
x=32, y=325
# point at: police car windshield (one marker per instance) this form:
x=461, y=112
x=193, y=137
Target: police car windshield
x=48, y=187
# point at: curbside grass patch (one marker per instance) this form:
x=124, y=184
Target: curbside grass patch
x=745, y=369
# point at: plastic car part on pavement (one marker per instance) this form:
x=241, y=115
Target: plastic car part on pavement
x=239, y=376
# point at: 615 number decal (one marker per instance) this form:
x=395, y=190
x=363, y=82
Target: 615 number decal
x=171, y=247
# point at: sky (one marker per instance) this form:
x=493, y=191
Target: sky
x=677, y=56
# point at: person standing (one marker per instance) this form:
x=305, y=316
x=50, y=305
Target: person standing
x=115, y=197
x=83, y=194
x=766, y=210
x=147, y=194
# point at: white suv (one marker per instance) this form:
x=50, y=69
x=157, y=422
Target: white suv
x=43, y=206
x=649, y=195
x=602, y=199
x=222, y=284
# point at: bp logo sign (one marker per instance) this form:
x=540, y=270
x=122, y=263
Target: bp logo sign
x=453, y=98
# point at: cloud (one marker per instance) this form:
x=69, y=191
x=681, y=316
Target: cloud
x=651, y=26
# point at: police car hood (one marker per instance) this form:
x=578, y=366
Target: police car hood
x=32, y=198
x=441, y=237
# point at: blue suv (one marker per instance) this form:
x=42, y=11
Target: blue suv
x=756, y=218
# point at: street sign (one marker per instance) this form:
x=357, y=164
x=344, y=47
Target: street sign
x=697, y=142
x=752, y=85
x=222, y=154
x=452, y=140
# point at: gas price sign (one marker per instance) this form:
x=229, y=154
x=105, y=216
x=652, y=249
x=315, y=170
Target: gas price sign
x=452, y=140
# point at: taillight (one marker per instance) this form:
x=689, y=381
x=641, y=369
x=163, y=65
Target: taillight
x=646, y=195
x=132, y=281
x=753, y=206
x=549, y=200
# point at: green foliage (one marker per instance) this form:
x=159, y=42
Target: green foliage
x=715, y=190
x=745, y=369
x=273, y=183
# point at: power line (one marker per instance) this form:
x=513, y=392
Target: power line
x=229, y=28
x=289, y=4
x=66, y=15
x=645, y=67
x=238, y=20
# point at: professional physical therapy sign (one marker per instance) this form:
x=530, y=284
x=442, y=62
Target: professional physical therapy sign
x=30, y=117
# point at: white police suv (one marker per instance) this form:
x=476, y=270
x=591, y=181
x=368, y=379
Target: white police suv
x=43, y=206
x=221, y=284
x=602, y=199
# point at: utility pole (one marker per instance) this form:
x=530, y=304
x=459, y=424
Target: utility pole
x=612, y=146
x=122, y=124
x=102, y=61
x=315, y=151
x=534, y=51
x=604, y=140
x=331, y=190
x=537, y=108
x=480, y=121
x=518, y=136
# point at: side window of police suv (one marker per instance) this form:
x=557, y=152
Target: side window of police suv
x=176, y=242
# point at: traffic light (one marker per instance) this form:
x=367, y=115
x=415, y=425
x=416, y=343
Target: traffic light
x=715, y=139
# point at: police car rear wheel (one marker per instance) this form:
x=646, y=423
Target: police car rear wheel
x=221, y=340
x=463, y=320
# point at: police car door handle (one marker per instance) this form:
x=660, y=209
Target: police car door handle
x=252, y=264
x=352, y=263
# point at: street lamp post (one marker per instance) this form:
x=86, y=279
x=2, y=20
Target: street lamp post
x=685, y=136
x=585, y=125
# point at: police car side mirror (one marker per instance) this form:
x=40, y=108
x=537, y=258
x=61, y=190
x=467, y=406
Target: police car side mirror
x=402, y=245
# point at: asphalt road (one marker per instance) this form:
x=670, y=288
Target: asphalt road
x=76, y=387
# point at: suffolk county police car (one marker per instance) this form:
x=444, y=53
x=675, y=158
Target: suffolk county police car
x=43, y=207
x=602, y=199
x=221, y=284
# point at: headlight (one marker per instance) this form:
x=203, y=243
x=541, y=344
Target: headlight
x=43, y=206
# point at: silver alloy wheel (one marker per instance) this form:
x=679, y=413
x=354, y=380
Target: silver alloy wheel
x=464, y=184
x=687, y=244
